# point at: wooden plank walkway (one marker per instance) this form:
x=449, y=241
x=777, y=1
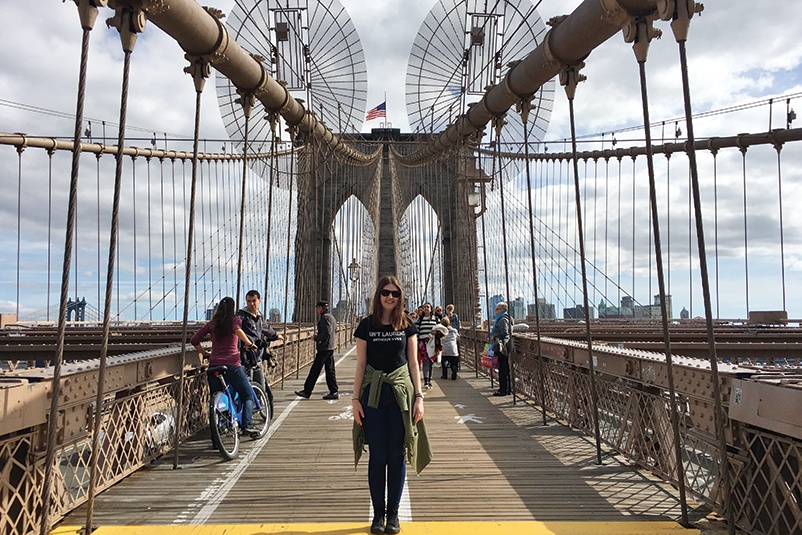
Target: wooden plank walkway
x=493, y=462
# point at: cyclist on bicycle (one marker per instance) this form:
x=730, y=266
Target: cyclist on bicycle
x=225, y=328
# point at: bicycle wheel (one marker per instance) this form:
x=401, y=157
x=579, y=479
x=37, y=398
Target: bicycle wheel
x=225, y=431
x=261, y=417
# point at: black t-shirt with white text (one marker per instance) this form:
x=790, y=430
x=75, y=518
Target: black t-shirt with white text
x=386, y=347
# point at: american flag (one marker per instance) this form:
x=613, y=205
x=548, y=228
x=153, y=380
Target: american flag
x=378, y=111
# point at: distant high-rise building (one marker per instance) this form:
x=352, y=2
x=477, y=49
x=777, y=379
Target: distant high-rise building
x=492, y=302
x=577, y=312
x=275, y=316
x=669, y=311
x=545, y=310
x=518, y=308
x=684, y=314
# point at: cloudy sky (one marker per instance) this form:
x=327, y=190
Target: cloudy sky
x=739, y=54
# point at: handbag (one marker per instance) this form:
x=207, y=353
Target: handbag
x=489, y=357
x=430, y=350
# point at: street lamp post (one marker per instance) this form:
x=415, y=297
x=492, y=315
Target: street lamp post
x=353, y=276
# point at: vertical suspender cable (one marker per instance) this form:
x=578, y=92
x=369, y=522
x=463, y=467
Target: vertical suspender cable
x=606, y=222
x=569, y=78
x=246, y=109
x=690, y=244
x=778, y=148
x=88, y=14
x=618, y=236
x=715, y=226
x=668, y=222
x=175, y=242
x=219, y=227
x=123, y=18
x=525, y=109
x=150, y=253
x=133, y=210
x=498, y=125
x=163, y=262
x=595, y=226
x=50, y=153
x=484, y=244
x=269, y=233
x=287, y=263
x=20, y=149
x=200, y=242
x=199, y=69
x=746, y=231
x=680, y=27
x=641, y=48
x=632, y=290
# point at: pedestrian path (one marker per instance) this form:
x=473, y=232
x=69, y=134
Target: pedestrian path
x=496, y=469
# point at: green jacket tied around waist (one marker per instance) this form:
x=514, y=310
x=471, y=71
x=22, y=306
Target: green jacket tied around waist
x=416, y=442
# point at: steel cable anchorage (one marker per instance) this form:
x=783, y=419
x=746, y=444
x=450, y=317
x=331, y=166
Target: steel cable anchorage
x=200, y=32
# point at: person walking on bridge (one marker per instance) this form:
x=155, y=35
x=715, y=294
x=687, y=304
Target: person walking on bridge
x=388, y=402
x=325, y=340
x=425, y=322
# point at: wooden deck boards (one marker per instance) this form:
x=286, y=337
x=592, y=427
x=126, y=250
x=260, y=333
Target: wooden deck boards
x=493, y=461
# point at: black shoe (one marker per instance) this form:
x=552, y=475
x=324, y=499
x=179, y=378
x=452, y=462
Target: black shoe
x=454, y=377
x=378, y=524
x=251, y=431
x=301, y=393
x=499, y=393
x=444, y=376
x=332, y=395
x=392, y=524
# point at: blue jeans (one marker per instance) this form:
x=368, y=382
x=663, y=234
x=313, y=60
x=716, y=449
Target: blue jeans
x=384, y=433
x=235, y=376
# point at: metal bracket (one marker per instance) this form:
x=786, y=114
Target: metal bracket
x=570, y=77
x=129, y=21
x=679, y=12
x=200, y=68
x=87, y=11
x=247, y=100
x=640, y=31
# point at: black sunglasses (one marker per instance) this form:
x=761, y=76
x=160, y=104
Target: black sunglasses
x=394, y=293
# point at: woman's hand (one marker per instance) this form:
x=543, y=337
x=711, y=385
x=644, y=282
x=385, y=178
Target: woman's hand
x=417, y=410
x=359, y=412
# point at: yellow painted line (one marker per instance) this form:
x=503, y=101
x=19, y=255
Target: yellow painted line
x=407, y=528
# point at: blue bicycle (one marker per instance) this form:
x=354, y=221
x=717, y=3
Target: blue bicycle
x=225, y=415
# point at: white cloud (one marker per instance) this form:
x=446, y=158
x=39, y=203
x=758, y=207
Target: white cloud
x=737, y=53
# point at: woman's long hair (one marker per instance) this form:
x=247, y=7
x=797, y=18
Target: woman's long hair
x=223, y=317
x=398, y=319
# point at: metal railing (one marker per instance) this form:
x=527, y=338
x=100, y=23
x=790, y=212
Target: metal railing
x=634, y=411
x=139, y=421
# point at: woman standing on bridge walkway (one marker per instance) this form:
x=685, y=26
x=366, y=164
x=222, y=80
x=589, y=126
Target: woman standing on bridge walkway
x=388, y=402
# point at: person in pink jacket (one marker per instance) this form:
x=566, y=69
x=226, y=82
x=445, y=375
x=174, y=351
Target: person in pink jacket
x=225, y=328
